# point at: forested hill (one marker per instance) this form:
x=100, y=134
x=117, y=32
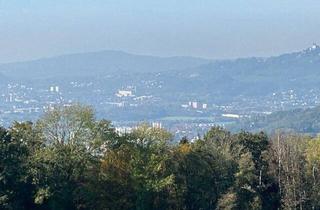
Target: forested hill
x=297, y=70
x=258, y=76
x=96, y=64
x=297, y=120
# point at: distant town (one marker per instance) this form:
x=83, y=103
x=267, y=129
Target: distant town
x=191, y=118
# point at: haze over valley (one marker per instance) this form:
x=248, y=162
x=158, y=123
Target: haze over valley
x=187, y=95
x=159, y=105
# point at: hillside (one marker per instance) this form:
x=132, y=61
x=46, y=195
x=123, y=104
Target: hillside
x=255, y=76
x=245, y=76
x=298, y=120
x=96, y=64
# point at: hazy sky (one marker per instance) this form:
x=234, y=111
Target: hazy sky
x=31, y=29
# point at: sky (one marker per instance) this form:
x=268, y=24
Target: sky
x=217, y=29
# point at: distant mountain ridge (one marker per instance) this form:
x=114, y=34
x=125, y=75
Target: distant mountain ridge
x=196, y=77
x=97, y=63
x=257, y=75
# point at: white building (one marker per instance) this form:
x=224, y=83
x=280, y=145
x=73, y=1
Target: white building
x=54, y=89
x=231, y=115
x=10, y=97
x=195, y=105
x=156, y=125
x=124, y=93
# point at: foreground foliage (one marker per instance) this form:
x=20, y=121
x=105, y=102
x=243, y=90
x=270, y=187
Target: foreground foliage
x=71, y=160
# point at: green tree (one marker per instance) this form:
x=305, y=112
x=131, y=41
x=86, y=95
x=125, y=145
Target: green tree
x=289, y=168
x=256, y=146
x=205, y=169
x=62, y=170
x=64, y=125
x=150, y=167
x=312, y=155
x=15, y=183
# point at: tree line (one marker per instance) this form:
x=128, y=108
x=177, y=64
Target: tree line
x=68, y=160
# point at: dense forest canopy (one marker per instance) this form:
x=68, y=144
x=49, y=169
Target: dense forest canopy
x=70, y=160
